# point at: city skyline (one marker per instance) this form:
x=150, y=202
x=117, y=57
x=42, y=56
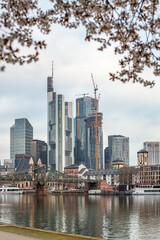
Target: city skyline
x=128, y=109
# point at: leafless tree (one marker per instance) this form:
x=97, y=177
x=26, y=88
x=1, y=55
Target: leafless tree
x=125, y=175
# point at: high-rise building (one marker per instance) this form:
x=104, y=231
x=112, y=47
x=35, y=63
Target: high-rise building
x=153, y=149
x=118, y=148
x=90, y=148
x=85, y=140
x=60, y=130
x=39, y=151
x=21, y=135
x=84, y=108
x=106, y=158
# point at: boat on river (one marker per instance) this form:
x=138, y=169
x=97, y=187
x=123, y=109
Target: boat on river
x=10, y=190
x=95, y=192
x=146, y=190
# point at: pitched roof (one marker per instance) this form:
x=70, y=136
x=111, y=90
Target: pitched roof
x=23, y=165
x=82, y=170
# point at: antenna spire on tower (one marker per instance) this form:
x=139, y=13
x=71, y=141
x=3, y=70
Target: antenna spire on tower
x=52, y=69
x=52, y=73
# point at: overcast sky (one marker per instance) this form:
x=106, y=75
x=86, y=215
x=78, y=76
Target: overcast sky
x=128, y=109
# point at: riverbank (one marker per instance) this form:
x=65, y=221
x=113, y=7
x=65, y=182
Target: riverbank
x=29, y=233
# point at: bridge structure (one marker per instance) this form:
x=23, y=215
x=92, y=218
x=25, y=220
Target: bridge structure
x=39, y=176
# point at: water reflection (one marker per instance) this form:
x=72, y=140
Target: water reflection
x=113, y=217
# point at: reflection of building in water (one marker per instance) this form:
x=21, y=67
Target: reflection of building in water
x=27, y=208
x=82, y=213
x=87, y=215
x=147, y=212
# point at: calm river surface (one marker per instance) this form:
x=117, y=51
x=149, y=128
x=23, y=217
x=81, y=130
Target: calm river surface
x=113, y=217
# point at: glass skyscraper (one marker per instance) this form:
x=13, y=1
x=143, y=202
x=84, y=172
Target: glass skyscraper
x=60, y=130
x=39, y=151
x=118, y=148
x=90, y=151
x=153, y=149
x=84, y=108
x=21, y=135
x=85, y=145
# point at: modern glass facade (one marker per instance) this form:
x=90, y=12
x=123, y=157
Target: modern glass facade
x=60, y=130
x=39, y=151
x=90, y=148
x=84, y=108
x=21, y=135
x=153, y=149
x=106, y=158
x=118, y=149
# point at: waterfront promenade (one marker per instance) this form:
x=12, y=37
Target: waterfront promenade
x=14, y=232
x=13, y=236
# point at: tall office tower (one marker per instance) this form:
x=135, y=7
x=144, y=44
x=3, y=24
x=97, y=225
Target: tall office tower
x=21, y=135
x=60, y=130
x=90, y=148
x=39, y=150
x=84, y=108
x=106, y=158
x=118, y=148
x=153, y=149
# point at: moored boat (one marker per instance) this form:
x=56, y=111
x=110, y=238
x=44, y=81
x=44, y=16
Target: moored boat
x=10, y=190
x=146, y=190
x=95, y=192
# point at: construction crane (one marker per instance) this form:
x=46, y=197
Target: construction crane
x=95, y=111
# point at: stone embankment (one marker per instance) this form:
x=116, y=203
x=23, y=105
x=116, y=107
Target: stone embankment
x=14, y=232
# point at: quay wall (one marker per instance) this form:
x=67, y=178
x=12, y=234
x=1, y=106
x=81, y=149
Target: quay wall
x=42, y=234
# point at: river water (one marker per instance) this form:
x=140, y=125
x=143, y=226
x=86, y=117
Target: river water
x=112, y=217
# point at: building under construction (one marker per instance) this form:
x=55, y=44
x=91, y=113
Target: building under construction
x=84, y=108
x=86, y=138
x=92, y=143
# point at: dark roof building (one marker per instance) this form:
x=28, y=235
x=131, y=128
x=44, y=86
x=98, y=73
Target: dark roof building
x=39, y=150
